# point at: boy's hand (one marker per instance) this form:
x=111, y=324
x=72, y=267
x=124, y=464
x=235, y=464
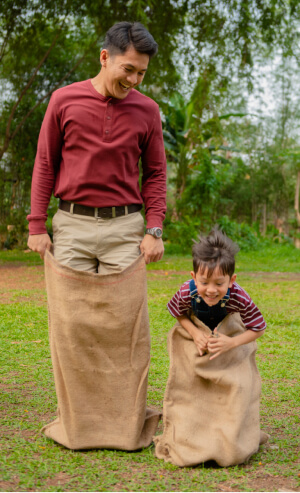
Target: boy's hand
x=199, y=338
x=201, y=341
x=219, y=345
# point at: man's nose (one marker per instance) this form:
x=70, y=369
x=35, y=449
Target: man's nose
x=132, y=78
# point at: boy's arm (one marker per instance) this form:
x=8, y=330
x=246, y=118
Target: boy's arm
x=200, y=339
x=221, y=344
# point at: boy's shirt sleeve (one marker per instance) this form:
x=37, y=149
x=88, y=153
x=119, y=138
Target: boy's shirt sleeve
x=241, y=302
x=181, y=301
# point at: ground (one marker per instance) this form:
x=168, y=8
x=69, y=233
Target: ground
x=22, y=283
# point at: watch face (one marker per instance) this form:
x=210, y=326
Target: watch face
x=158, y=233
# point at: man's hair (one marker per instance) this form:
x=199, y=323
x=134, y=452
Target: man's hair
x=214, y=250
x=123, y=35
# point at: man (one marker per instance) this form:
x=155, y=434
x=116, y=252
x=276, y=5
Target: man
x=92, y=137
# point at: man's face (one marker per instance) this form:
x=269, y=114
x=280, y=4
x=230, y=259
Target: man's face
x=212, y=289
x=122, y=72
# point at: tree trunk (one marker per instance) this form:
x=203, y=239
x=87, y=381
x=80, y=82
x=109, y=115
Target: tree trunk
x=264, y=219
x=297, y=191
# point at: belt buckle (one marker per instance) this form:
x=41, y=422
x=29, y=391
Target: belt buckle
x=105, y=216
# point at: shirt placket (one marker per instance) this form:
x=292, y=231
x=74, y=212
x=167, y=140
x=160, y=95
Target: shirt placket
x=107, y=124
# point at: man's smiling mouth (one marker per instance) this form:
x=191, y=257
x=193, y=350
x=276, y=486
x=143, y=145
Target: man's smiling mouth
x=124, y=86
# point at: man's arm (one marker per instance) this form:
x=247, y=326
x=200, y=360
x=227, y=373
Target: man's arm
x=154, y=188
x=47, y=162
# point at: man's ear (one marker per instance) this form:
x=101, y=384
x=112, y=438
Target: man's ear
x=232, y=280
x=104, y=55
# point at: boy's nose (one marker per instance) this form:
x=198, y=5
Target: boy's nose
x=211, y=289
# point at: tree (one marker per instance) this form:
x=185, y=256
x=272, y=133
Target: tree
x=46, y=44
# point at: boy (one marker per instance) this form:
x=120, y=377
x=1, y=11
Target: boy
x=212, y=293
x=211, y=402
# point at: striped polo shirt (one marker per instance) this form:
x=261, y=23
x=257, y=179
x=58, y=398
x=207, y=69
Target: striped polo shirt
x=239, y=301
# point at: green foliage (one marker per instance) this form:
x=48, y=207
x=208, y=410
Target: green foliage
x=219, y=161
x=179, y=235
x=241, y=233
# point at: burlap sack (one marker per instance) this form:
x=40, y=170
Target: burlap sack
x=211, y=408
x=100, y=348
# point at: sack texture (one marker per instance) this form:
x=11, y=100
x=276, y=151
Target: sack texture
x=100, y=349
x=211, y=408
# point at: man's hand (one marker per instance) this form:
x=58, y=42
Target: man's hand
x=152, y=248
x=40, y=243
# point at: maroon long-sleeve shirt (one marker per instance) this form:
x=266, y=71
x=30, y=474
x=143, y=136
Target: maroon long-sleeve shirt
x=89, y=149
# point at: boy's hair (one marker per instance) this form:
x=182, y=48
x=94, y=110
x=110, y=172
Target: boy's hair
x=214, y=250
x=125, y=34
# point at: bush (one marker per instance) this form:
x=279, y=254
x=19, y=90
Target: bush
x=179, y=235
x=243, y=234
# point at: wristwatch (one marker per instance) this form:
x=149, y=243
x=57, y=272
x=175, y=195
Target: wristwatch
x=156, y=232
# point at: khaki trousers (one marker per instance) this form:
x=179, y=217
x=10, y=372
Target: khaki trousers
x=97, y=245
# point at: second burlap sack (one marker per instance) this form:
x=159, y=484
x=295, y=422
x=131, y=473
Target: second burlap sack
x=211, y=407
x=100, y=349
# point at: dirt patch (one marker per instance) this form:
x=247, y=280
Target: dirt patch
x=14, y=279
x=262, y=482
x=11, y=485
x=59, y=479
x=22, y=277
x=263, y=276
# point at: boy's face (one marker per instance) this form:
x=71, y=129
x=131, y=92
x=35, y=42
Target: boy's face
x=212, y=289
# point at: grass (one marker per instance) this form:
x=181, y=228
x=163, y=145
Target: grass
x=29, y=461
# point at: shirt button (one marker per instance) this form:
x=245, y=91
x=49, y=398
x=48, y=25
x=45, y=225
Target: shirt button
x=108, y=117
x=106, y=131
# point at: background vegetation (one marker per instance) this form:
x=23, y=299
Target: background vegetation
x=226, y=82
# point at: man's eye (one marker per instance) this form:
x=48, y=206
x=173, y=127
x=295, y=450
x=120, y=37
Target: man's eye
x=128, y=69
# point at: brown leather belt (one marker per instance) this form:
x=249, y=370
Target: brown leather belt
x=99, y=212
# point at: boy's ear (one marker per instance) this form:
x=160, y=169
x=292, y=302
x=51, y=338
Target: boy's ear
x=193, y=275
x=233, y=278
